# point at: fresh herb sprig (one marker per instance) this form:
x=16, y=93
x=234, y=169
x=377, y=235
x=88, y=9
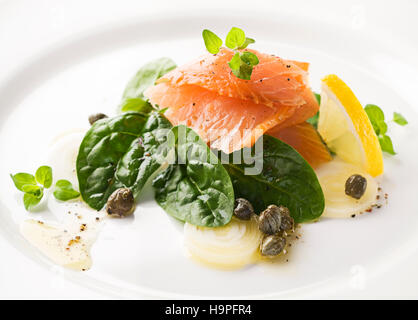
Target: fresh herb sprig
x=33, y=187
x=377, y=118
x=242, y=63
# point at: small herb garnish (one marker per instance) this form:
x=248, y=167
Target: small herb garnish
x=314, y=119
x=399, y=119
x=64, y=191
x=377, y=118
x=242, y=63
x=212, y=42
x=317, y=97
x=44, y=176
x=33, y=185
x=386, y=144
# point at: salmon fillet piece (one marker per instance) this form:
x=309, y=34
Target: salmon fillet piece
x=225, y=123
x=274, y=80
x=302, y=112
x=230, y=113
x=306, y=140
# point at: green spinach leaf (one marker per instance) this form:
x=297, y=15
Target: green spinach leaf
x=146, y=155
x=136, y=105
x=119, y=152
x=133, y=97
x=196, y=188
x=286, y=179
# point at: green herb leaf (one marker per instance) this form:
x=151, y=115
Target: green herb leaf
x=212, y=42
x=235, y=38
x=64, y=191
x=314, y=120
x=399, y=119
x=144, y=78
x=235, y=62
x=386, y=144
x=383, y=127
x=26, y=183
x=318, y=97
x=119, y=152
x=21, y=179
x=286, y=179
x=242, y=67
x=33, y=189
x=30, y=200
x=244, y=72
x=377, y=118
x=44, y=176
x=249, y=58
x=241, y=63
x=247, y=42
x=197, y=189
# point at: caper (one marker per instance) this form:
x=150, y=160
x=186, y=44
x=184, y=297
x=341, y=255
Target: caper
x=272, y=245
x=121, y=203
x=270, y=220
x=288, y=223
x=243, y=209
x=355, y=186
x=97, y=116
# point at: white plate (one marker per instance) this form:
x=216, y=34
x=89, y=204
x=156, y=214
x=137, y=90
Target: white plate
x=68, y=67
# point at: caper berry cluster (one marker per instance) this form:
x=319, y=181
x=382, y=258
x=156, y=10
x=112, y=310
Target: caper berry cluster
x=275, y=223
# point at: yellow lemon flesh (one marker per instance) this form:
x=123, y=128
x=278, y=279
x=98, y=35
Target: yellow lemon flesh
x=346, y=128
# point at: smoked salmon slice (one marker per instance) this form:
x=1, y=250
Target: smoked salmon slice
x=227, y=124
x=274, y=80
x=231, y=113
x=306, y=140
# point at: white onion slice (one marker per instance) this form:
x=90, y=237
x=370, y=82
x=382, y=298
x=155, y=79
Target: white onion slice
x=332, y=177
x=229, y=247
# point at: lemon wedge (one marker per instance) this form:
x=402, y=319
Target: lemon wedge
x=346, y=128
